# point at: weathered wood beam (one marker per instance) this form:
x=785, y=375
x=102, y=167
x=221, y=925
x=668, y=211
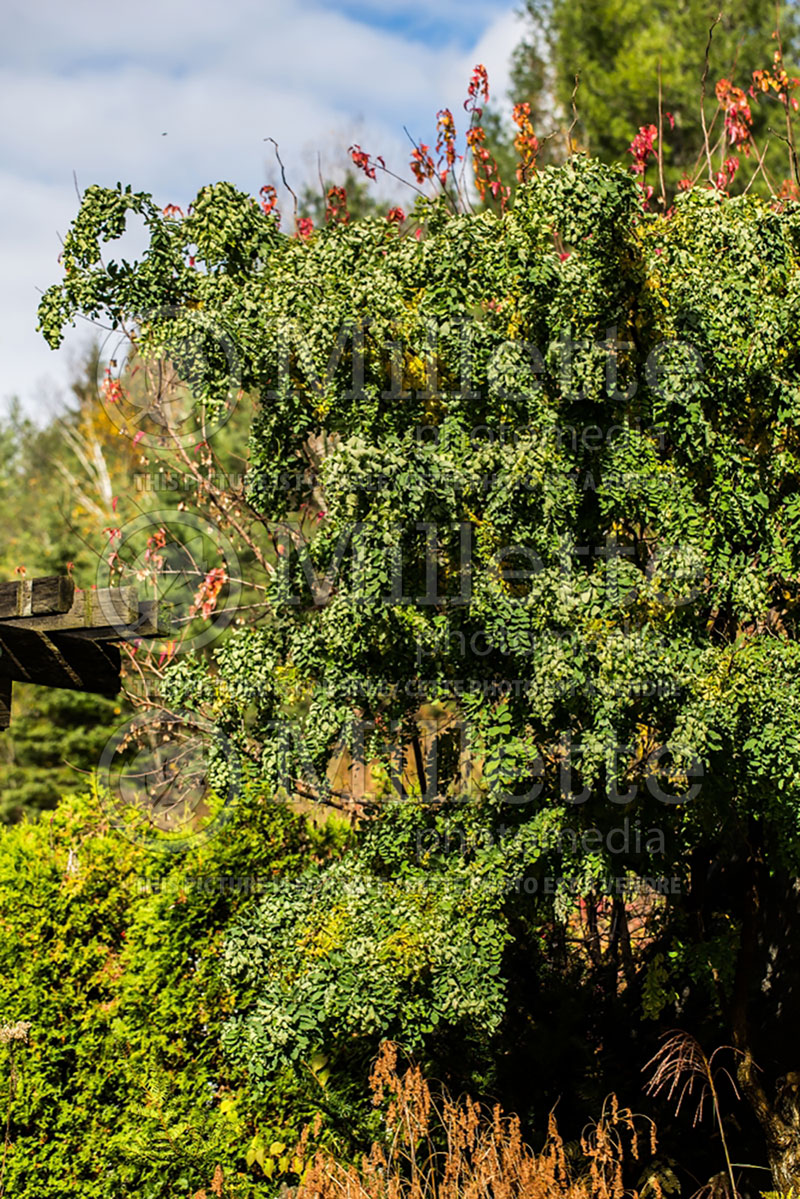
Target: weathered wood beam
x=36, y=597
x=57, y=660
x=153, y=620
x=150, y=622
x=107, y=610
x=55, y=636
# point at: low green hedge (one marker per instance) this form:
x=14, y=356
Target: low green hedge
x=111, y=951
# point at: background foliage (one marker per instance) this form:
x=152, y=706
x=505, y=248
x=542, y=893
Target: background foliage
x=616, y=51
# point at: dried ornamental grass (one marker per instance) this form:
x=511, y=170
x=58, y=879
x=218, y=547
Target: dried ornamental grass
x=456, y=1149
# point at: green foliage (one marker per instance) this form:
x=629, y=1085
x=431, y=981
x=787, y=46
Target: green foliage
x=112, y=954
x=347, y=954
x=55, y=741
x=717, y=398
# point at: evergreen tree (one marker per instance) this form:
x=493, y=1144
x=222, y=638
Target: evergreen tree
x=617, y=51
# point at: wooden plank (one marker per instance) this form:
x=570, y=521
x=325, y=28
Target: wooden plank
x=5, y=703
x=57, y=660
x=104, y=611
x=36, y=597
x=151, y=621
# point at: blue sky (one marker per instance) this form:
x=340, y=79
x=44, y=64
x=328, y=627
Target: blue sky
x=92, y=88
x=443, y=24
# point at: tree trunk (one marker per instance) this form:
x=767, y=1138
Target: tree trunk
x=765, y=1012
x=779, y=1120
x=781, y=1124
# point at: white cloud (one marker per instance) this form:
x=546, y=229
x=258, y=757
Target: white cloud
x=92, y=89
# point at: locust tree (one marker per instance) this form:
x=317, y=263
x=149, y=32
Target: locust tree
x=544, y=590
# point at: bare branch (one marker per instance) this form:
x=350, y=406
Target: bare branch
x=706, y=66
